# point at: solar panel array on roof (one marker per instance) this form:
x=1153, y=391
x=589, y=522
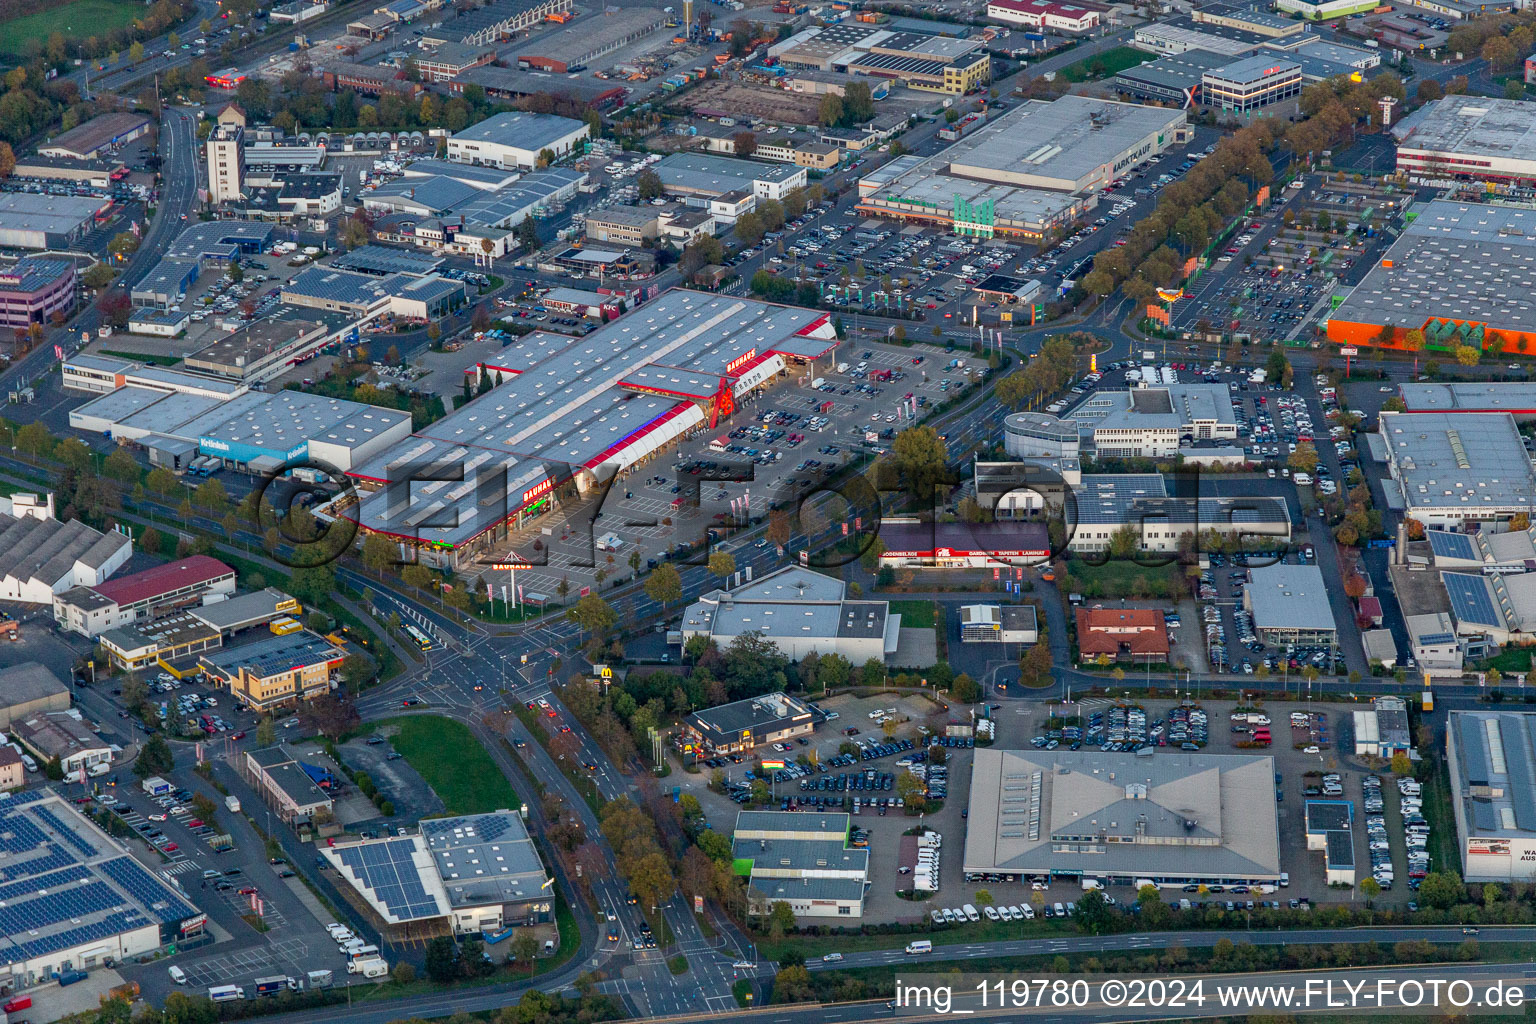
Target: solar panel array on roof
x=55, y=857
x=390, y=872
x=66, y=833
x=1451, y=545
x=144, y=887
x=51, y=880
x=1469, y=599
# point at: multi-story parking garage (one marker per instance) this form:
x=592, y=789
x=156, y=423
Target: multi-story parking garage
x=573, y=413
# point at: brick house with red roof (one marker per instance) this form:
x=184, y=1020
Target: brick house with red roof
x=1133, y=634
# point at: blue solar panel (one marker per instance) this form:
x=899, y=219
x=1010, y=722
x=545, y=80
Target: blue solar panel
x=18, y=834
x=54, y=858
x=388, y=871
x=1452, y=545
x=66, y=833
x=142, y=886
x=52, y=880
x=1469, y=599
x=19, y=918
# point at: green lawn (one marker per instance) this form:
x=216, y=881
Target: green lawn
x=1103, y=65
x=1442, y=822
x=1120, y=577
x=914, y=614
x=1512, y=659
x=454, y=764
x=77, y=20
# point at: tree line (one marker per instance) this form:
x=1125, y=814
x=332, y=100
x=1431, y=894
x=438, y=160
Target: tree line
x=1191, y=212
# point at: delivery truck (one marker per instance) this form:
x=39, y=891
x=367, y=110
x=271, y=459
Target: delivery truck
x=156, y=786
x=374, y=967
x=233, y=803
x=271, y=986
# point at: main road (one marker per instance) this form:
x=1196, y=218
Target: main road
x=178, y=198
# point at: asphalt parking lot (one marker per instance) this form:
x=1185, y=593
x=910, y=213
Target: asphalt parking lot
x=775, y=449
x=1274, y=278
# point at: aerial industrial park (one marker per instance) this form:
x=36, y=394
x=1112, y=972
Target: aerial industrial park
x=499, y=500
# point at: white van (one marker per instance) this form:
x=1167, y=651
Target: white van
x=178, y=975
x=970, y=913
x=920, y=946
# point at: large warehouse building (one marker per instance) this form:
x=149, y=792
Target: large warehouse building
x=1460, y=273
x=256, y=432
x=97, y=137
x=30, y=220
x=1456, y=470
x=477, y=874
x=703, y=176
x=74, y=899
x=578, y=410
x=1174, y=818
x=1492, y=757
x=1469, y=137
x=515, y=139
x=586, y=39
x=1071, y=144
x=1029, y=171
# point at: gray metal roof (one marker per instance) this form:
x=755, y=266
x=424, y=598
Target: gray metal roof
x=1495, y=752
x=1454, y=261
x=1475, y=126
x=1251, y=70
x=485, y=858
x=471, y=174
x=240, y=612
x=219, y=238
x=1284, y=596
x=588, y=37
x=520, y=129
x=1070, y=139
x=706, y=172
x=436, y=194
x=753, y=713
x=1469, y=461
x=1177, y=815
x=56, y=215
x=1517, y=397
x=381, y=261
